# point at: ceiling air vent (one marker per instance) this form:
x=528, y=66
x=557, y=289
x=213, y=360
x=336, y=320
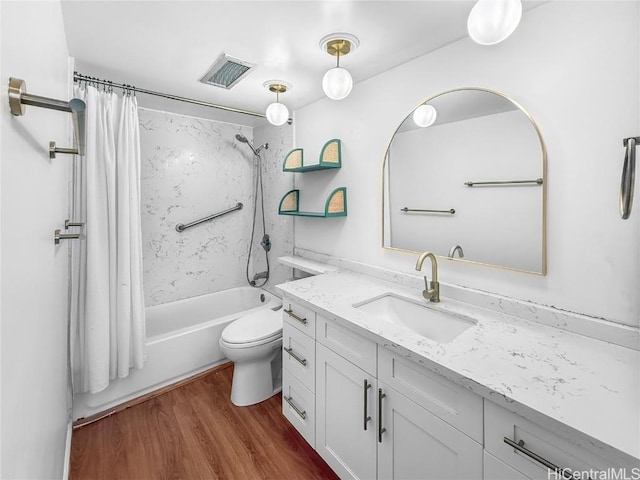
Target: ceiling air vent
x=227, y=71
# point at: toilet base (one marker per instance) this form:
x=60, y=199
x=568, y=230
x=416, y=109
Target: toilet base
x=255, y=382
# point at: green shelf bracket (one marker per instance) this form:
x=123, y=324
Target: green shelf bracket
x=330, y=157
x=335, y=206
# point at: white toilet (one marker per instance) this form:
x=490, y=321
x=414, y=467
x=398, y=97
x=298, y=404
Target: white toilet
x=254, y=344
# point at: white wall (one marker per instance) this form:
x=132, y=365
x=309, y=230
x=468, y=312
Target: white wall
x=34, y=288
x=193, y=167
x=574, y=66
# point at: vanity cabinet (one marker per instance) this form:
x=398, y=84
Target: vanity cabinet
x=371, y=413
x=366, y=428
x=298, y=369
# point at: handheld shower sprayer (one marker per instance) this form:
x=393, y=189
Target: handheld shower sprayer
x=258, y=192
x=256, y=151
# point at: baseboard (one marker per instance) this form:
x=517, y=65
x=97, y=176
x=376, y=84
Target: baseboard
x=67, y=452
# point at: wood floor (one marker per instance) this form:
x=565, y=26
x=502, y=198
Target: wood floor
x=195, y=432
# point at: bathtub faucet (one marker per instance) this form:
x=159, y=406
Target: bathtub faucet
x=260, y=275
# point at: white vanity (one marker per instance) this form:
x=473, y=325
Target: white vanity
x=495, y=399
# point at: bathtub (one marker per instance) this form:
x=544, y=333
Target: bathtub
x=182, y=340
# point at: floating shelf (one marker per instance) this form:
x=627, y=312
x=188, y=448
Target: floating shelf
x=330, y=157
x=336, y=205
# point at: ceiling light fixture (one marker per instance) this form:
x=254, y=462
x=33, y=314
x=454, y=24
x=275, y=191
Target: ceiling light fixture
x=492, y=21
x=277, y=113
x=337, y=82
x=425, y=115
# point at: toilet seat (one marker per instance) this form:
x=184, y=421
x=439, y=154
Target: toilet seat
x=257, y=328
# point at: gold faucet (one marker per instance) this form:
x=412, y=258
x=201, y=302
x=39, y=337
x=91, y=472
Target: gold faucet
x=433, y=293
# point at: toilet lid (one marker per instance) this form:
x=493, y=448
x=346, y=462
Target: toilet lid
x=261, y=325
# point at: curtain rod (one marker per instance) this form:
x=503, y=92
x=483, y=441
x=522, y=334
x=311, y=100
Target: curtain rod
x=78, y=77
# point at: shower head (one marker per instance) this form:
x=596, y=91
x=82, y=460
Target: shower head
x=256, y=151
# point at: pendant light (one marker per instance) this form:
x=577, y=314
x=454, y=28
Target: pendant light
x=277, y=113
x=425, y=115
x=337, y=82
x=492, y=21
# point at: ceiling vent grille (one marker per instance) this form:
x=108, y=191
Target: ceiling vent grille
x=227, y=71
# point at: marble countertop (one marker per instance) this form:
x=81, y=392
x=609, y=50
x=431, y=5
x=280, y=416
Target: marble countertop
x=567, y=382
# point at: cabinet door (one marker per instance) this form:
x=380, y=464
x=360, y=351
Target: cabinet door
x=418, y=445
x=341, y=404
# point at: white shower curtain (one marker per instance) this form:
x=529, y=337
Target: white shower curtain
x=107, y=304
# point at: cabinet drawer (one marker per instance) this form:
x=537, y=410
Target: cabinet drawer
x=452, y=403
x=299, y=406
x=495, y=469
x=303, y=318
x=299, y=356
x=348, y=344
x=500, y=423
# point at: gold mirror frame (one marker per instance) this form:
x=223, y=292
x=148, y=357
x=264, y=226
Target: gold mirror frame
x=544, y=185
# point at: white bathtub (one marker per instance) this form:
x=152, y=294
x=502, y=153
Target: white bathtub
x=182, y=340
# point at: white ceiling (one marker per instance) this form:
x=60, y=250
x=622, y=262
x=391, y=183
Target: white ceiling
x=167, y=46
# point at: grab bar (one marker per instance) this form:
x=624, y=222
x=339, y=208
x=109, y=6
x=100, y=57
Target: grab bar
x=405, y=210
x=18, y=98
x=627, y=181
x=182, y=227
x=537, y=181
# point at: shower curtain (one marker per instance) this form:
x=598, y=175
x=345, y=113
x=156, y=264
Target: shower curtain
x=107, y=331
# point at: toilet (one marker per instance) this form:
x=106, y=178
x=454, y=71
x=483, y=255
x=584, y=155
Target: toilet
x=254, y=344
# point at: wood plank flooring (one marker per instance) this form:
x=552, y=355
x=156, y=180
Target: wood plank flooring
x=195, y=432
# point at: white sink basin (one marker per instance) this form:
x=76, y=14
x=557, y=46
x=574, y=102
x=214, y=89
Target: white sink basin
x=438, y=325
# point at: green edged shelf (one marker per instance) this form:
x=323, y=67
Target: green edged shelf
x=336, y=205
x=330, y=157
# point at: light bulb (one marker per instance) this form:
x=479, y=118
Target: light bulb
x=337, y=83
x=492, y=21
x=424, y=115
x=277, y=114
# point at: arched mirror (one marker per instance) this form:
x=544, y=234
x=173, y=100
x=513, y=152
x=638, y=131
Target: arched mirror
x=464, y=176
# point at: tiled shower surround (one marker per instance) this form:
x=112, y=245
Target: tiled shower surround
x=192, y=168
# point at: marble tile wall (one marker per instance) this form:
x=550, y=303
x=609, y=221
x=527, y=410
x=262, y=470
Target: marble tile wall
x=276, y=184
x=191, y=168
